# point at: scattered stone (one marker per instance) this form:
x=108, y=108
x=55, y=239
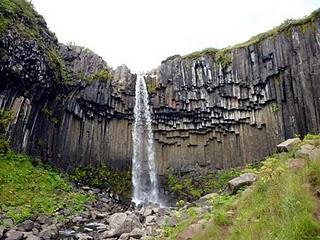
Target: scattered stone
x=48, y=232
x=83, y=236
x=304, y=151
x=77, y=219
x=32, y=237
x=117, y=219
x=67, y=233
x=7, y=222
x=147, y=212
x=150, y=220
x=136, y=233
x=315, y=154
x=287, y=145
x=43, y=219
x=245, y=179
x=26, y=226
x=87, y=230
x=295, y=164
x=124, y=236
x=2, y=229
x=13, y=235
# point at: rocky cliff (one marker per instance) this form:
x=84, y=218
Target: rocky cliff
x=216, y=108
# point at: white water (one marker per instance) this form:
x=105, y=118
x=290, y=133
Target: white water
x=144, y=176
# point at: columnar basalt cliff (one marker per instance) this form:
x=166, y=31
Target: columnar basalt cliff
x=229, y=108
x=216, y=108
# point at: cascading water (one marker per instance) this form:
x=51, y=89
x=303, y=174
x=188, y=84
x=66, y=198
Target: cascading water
x=144, y=176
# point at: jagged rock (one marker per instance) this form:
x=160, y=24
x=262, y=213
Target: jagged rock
x=124, y=225
x=304, y=151
x=150, y=220
x=245, y=179
x=67, y=233
x=32, y=237
x=49, y=232
x=2, y=229
x=117, y=219
x=147, y=212
x=287, y=145
x=83, y=236
x=14, y=235
x=43, y=219
x=26, y=226
x=7, y=222
x=136, y=233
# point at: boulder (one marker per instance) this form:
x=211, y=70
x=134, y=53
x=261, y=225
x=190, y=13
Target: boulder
x=119, y=227
x=2, y=229
x=117, y=219
x=26, y=226
x=245, y=179
x=14, y=235
x=32, y=237
x=137, y=233
x=287, y=145
x=304, y=151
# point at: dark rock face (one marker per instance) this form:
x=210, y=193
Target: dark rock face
x=228, y=116
x=210, y=113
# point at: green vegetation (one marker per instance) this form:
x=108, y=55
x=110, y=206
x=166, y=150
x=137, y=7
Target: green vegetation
x=49, y=114
x=189, y=189
x=19, y=15
x=102, y=177
x=27, y=190
x=102, y=75
x=5, y=118
x=151, y=86
x=281, y=205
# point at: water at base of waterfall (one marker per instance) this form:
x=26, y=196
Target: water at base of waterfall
x=144, y=175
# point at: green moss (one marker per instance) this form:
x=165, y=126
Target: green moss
x=102, y=75
x=20, y=180
x=189, y=189
x=208, y=51
x=49, y=114
x=151, y=86
x=102, y=177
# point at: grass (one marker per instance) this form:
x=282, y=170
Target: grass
x=103, y=177
x=27, y=190
x=281, y=205
x=190, y=189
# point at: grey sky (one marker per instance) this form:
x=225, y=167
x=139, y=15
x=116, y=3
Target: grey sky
x=141, y=33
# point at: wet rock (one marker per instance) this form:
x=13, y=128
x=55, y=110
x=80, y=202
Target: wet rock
x=245, y=179
x=67, y=233
x=287, y=145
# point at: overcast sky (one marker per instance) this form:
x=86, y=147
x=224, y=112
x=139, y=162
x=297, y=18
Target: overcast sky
x=142, y=33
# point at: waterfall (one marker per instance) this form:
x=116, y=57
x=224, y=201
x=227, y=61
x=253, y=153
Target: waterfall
x=144, y=176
